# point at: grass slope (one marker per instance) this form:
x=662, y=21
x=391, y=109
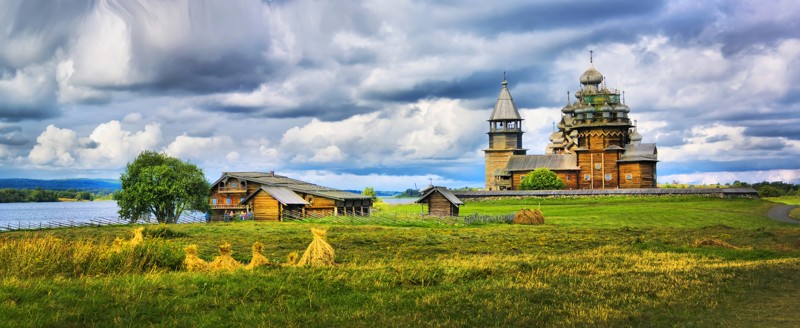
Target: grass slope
x=597, y=262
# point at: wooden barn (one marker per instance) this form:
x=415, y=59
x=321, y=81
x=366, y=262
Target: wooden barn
x=440, y=201
x=272, y=197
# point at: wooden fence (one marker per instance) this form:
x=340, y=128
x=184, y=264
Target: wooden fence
x=95, y=222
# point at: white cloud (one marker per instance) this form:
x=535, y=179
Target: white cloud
x=54, y=147
x=377, y=181
x=722, y=177
x=200, y=148
x=426, y=131
x=720, y=142
x=134, y=117
x=108, y=146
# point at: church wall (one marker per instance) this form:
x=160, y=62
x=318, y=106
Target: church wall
x=642, y=175
x=495, y=160
x=570, y=179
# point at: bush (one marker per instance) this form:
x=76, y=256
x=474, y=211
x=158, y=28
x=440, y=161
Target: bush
x=541, y=179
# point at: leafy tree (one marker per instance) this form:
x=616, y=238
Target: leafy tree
x=541, y=179
x=369, y=191
x=163, y=186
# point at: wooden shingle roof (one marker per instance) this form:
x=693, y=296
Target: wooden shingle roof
x=442, y=190
x=274, y=180
x=553, y=162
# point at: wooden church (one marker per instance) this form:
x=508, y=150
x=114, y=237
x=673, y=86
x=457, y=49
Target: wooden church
x=595, y=146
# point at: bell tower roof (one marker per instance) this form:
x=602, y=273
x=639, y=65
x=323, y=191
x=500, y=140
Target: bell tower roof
x=505, y=109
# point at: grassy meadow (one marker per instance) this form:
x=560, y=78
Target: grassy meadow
x=611, y=261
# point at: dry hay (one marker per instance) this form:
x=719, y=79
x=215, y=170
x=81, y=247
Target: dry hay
x=225, y=261
x=319, y=252
x=529, y=216
x=258, y=258
x=192, y=261
x=291, y=258
x=713, y=242
x=119, y=244
x=138, y=238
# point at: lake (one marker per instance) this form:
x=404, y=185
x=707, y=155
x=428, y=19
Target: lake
x=15, y=215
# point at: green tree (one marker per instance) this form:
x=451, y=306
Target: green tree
x=162, y=186
x=369, y=191
x=541, y=179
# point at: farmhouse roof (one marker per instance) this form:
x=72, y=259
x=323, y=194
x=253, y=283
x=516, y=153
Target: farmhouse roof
x=273, y=180
x=505, y=109
x=442, y=190
x=282, y=195
x=553, y=162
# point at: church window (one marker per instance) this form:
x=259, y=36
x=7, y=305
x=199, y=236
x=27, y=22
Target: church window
x=629, y=176
x=568, y=178
x=608, y=177
x=587, y=177
x=597, y=166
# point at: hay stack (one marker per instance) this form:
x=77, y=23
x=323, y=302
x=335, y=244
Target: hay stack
x=225, y=261
x=319, y=252
x=258, y=258
x=528, y=216
x=138, y=238
x=192, y=261
x=713, y=242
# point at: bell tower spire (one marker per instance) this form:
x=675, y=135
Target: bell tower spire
x=505, y=139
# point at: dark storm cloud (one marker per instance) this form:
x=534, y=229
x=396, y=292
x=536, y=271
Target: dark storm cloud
x=766, y=33
x=790, y=131
x=475, y=85
x=12, y=138
x=47, y=24
x=535, y=16
x=11, y=112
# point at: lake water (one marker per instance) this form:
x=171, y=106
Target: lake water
x=32, y=214
x=14, y=215
x=392, y=200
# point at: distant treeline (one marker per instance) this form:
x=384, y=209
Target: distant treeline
x=770, y=189
x=42, y=195
x=96, y=186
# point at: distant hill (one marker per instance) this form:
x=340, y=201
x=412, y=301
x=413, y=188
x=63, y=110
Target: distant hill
x=93, y=185
x=379, y=193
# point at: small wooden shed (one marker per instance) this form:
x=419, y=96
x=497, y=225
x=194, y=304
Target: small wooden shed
x=440, y=201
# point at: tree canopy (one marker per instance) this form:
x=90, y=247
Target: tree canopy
x=158, y=185
x=541, y=179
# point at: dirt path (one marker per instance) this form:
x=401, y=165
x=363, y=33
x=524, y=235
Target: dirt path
x=781, y=213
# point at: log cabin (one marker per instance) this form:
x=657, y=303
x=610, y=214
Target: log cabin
x=440, y=201
x=595, y=147
x=272, y=197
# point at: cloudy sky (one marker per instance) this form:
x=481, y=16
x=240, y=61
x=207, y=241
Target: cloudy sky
x=386, y=93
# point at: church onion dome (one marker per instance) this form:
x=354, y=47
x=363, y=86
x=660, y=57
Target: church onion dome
x=635, y=136
x=591, y=77
x=557, y=137
x=622, y=108
x=605, y=108
x=505, y=109
x=567, y=109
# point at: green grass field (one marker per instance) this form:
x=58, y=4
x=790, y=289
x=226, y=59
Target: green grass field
x=596, y=262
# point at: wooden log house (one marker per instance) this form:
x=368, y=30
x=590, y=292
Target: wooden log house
x=271, y=197
x=440, y=201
